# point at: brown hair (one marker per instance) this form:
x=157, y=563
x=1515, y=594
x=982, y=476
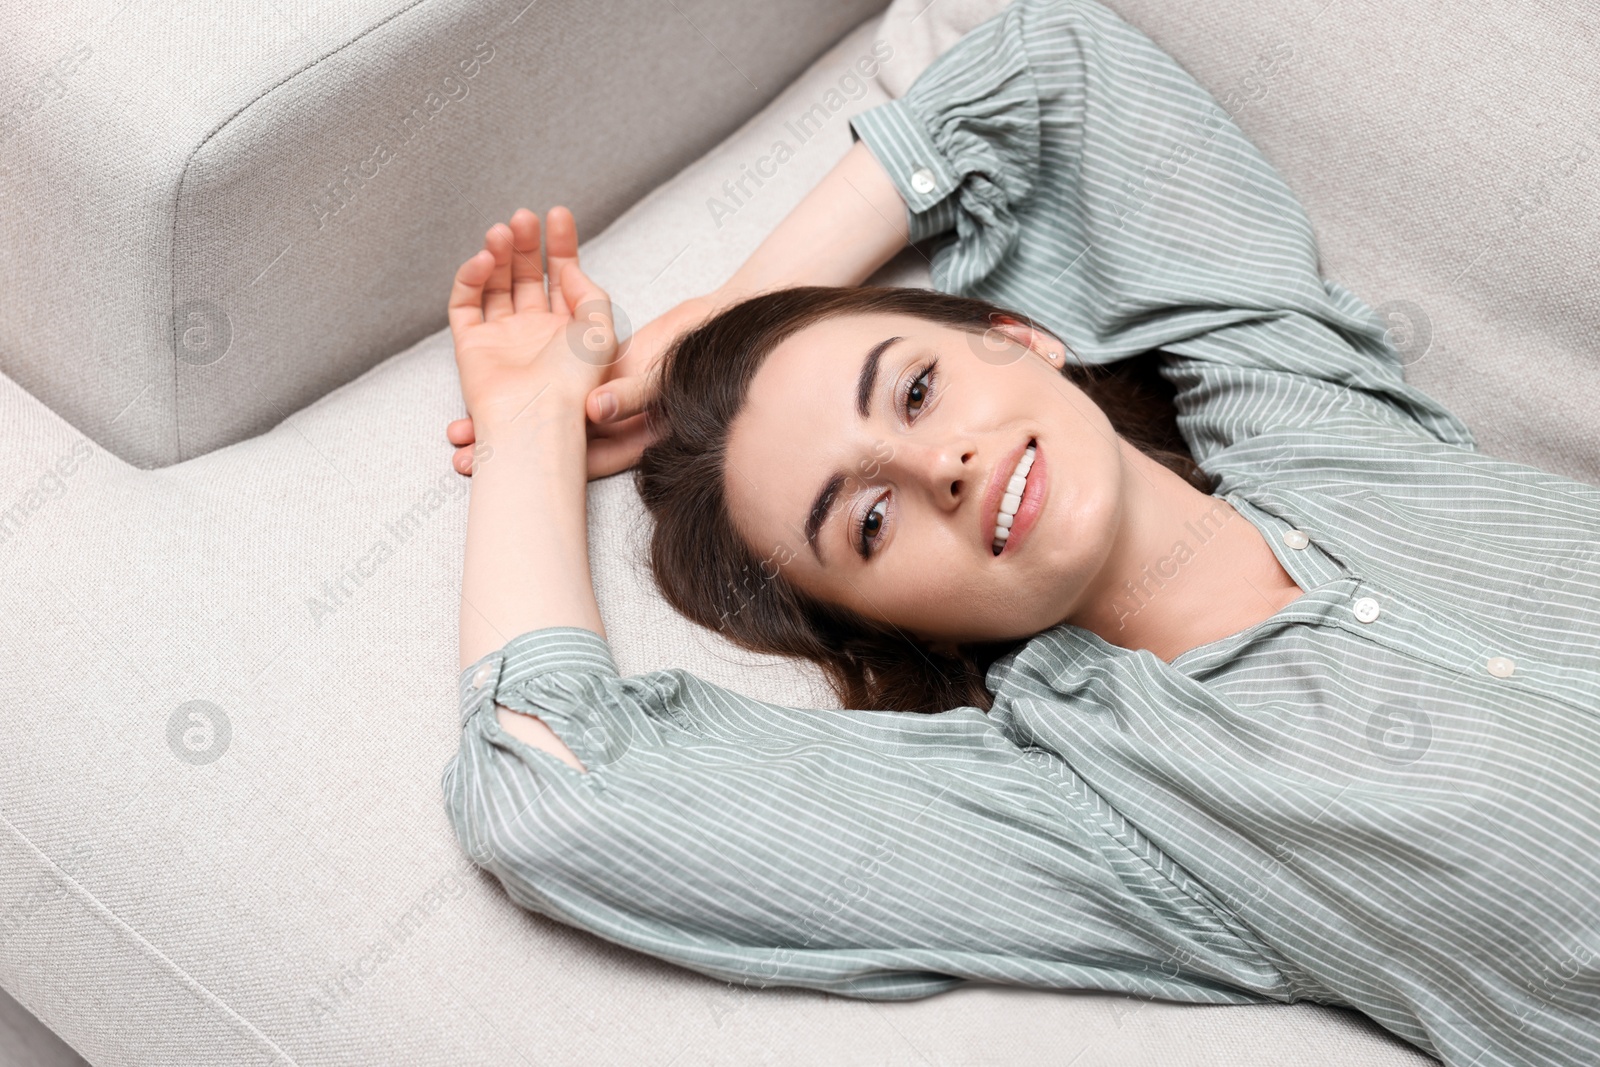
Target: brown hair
x=709, y=573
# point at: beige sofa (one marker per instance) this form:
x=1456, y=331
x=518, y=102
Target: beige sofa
x=230, y=538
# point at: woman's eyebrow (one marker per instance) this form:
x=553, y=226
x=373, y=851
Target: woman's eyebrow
x=822, y=504
x=867, y=383
x=821, y=508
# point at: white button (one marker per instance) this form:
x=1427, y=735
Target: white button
x=1295, y=539
x=922, y=181
x=481, y=675
x=1366, y=609
x=1500, y=667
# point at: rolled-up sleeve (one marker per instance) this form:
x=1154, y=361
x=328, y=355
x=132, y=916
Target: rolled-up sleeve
x=1091, y=183
x=869, y=853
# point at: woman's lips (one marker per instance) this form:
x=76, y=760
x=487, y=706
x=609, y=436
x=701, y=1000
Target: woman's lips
x=1032, y=503
x=989, y=514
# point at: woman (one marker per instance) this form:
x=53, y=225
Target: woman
x=1312, y=719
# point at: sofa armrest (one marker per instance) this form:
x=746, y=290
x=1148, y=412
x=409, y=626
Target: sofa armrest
x=216, y=214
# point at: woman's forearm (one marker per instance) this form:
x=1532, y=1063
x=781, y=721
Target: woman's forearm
x=527, y=554
x=527, y=551
x=851, y=224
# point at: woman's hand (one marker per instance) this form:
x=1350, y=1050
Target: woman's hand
x=616, y=437
x=514, y=341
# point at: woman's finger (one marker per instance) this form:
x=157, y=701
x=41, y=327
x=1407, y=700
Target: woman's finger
x=497, y=290
x=591, y=318
x=581, y=291
x=462, y=460
x=527, y=280
x=627, y=398
x=460, y=432
x=561, y=248
x=466, y=294
x=614, y=429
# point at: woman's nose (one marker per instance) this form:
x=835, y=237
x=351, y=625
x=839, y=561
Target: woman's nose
x=945, y=468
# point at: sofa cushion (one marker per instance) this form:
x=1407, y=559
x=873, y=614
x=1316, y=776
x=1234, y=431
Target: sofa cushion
x=233, y=209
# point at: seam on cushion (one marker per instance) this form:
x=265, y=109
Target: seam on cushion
x=149, y=948
x=177, y=199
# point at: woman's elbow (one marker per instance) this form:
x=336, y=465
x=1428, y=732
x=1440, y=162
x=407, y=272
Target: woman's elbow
x=532, y=731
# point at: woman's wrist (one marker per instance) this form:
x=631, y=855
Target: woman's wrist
x=547, y=410
x=527, y=564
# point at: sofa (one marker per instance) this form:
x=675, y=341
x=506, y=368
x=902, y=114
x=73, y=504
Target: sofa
x=231, y=538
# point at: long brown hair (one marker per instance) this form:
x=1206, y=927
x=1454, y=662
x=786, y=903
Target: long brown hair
x=709, y=573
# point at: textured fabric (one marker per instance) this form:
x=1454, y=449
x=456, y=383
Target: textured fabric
x=1379, y=797
x=182, y=180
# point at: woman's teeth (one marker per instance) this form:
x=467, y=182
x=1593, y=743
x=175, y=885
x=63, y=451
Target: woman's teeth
x=1012, y=499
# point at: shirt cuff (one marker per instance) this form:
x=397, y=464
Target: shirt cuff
x=553, y=648
x=901, y=144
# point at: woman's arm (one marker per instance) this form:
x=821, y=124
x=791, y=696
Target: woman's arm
x=851, y=224
x=527, y=554
x=866, y=853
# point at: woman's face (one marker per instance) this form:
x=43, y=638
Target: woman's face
x=920, y=476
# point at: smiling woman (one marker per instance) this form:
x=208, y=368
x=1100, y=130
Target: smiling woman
x=865, y=438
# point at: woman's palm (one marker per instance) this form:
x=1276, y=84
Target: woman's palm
x=506, y=321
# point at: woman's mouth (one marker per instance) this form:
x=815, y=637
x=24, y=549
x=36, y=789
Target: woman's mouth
x=1020, y=501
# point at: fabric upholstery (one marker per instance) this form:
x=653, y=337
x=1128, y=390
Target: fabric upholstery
x=299, y=898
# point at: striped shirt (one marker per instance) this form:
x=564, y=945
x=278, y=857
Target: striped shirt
x=1382, y=797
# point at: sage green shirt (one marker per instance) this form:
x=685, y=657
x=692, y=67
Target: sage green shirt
x=1384, y=796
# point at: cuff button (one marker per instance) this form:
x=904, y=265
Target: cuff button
x=481, y=675
x=922, y=181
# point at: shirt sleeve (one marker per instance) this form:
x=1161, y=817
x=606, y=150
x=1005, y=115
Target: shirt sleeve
x=869, y=853
x=1091, y=183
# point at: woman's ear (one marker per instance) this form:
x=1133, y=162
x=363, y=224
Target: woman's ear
x=1045, y=345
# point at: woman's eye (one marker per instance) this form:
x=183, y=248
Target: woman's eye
x=920, y=388
x=869, y=528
